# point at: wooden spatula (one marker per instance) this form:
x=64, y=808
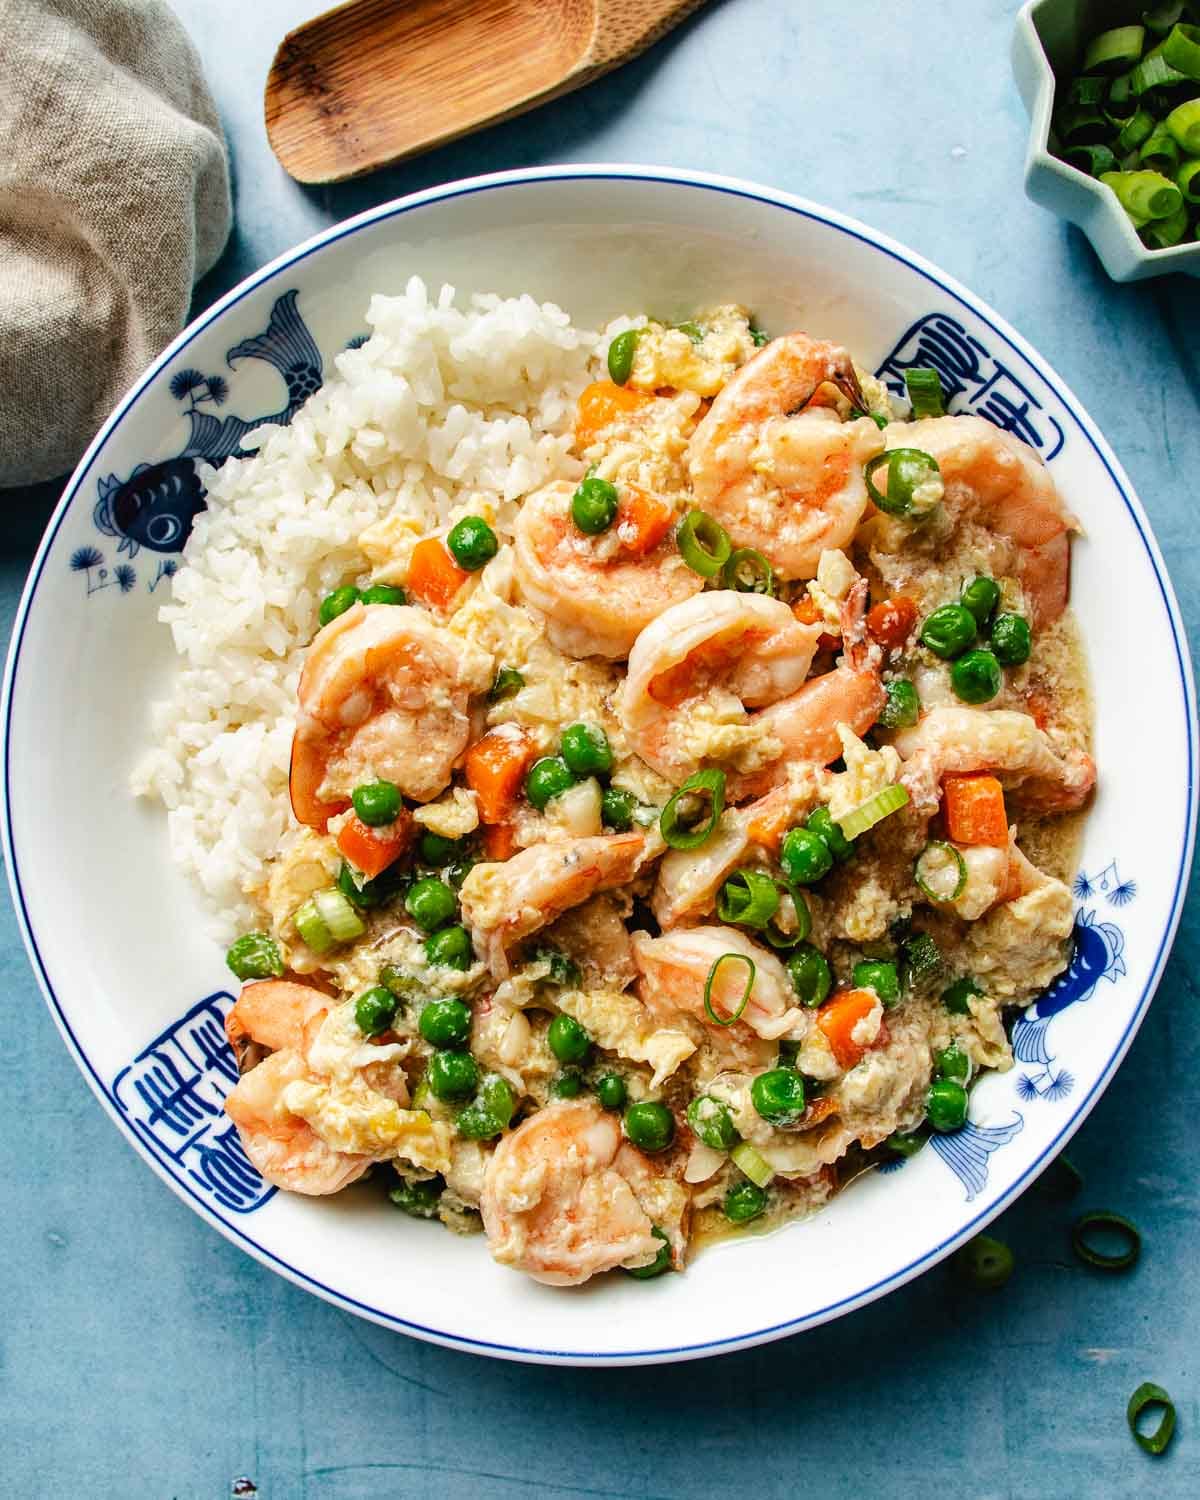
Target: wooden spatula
x=377, y=80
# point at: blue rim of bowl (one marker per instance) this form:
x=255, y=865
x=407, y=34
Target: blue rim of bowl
x=706, y=182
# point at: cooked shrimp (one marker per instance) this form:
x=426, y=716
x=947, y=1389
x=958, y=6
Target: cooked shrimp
x=791, y=486
x=596, y=592
x=503, y=903
x=674, y=970
x=554, y=1202
x=997, y=480
x=383, y=695
x=959, y=740
x=805, y=726
x=718, y=654
x=285, y=1018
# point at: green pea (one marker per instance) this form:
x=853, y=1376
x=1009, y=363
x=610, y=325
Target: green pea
x=548, y=778
x=946, y=1105
x=810, y=975
x=255, y=956
x=906, y=1145
x=712, y=1123
x=436, y=850
x=377, y=803
x=568, y=1084
x=420, y=1199
x=692, y=329
x=430, y=903
x=948, y=631
x=820, y=822
x=984, y=1262
x=743, y=1202
x=1011, y=640
x=976, y=677
x=620, y=355
x=472, y=543
x=873, y=974
x=903, y=706
x=956, y=995
x=660, y=1263
x=617, y=807
x=445, y=1023
x=568, y=1040
x=953, y=1062
x=374, y=1010
x=650, y=1125
x=490, y=1111
x=452, y=1075
x=337, y=603
x=778, y=1096
x=981, y=597
x=586, y=750
x=507, y=682
x=611, y=1091
x=450, y=948
x=804, y=856
x=594, y=505
x=384, y=593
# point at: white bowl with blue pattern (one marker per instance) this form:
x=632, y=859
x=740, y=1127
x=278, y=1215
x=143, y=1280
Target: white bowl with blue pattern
x=115, y=933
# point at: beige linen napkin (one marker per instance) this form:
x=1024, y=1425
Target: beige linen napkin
x=114, y=198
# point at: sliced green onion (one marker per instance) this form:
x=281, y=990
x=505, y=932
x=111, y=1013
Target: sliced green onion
x=1184, y=124
x=1135, y=132
x=748, y=572
x=922, y=959
x=708, y=987
x=1154, y=72
x=758, y=337
x=1161, y=234
x=710, y=784
x=1062, y=1180
x=1152, y=1398
x=756, y=1167
x=703, y=544
x=1082, y=124
x=1114, y=50
x=924, y=389
x=856, y=822
x=1162, y=17
x=1086, y=90
x=1181, y=50
x=1187, y=179
x=1146, y=195
x=940, y=871
x=693, y=331
x=1114, y=1224
x=750, y=897
x=1120, y=104
x=1091, y=159
x=1159, y=152
x=327, y=919
x=792, y=937
x=507, y=681
x=984, y=1262
x=908, y=470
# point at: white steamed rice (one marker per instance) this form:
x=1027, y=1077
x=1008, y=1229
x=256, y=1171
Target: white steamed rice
x=441, y=411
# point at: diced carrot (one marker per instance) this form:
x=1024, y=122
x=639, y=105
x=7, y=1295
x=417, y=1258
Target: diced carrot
x=838, y=1017
x=372, y=850
x=891, y=621
x=433, y=575
x=818, y=1109
x=770, y=819
x=1038, y=705
x=973, y=809
x=499, y=842
x=495, y=768
x=603, y=403
x=808, y=612
x=642, y=520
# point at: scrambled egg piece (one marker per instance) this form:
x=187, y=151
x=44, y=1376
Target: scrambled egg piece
x=621, y=1023
x=835, y=578
x=719, y=729
x=453, y=815
x=310, y=863
x=489, y=619
x=388, y=546
x=697, y=356
x=867, y=772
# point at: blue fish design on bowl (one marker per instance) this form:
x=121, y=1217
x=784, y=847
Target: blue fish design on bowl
x=155, y=506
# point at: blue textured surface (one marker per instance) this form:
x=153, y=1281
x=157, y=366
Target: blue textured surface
x=144, y=1354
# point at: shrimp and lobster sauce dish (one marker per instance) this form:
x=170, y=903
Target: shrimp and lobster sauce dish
x=675, y=838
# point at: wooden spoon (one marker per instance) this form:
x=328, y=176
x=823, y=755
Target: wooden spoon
x=377, y=80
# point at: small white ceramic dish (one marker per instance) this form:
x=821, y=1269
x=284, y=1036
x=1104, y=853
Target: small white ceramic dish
x=115, y=935
x=1048, y=41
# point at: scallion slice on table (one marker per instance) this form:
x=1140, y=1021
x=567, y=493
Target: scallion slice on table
x=1089, y=1226
x=736, y=1014
x=1113, y=51
x=679, y=834
x=940, y=871
x=984, y=1262
x=703, y=543
x=859, y=819
x=1151, y=1398
x=925, y=392
x=755, y=1167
